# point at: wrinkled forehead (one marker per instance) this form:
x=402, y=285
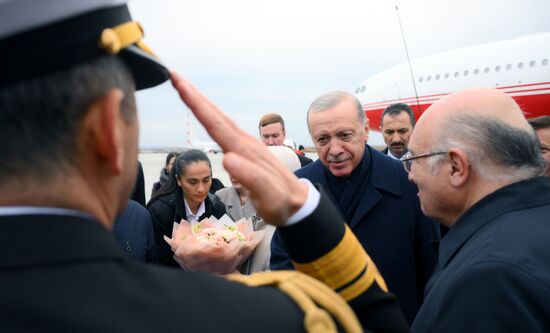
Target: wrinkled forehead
x=401, y=120
x=343, y=112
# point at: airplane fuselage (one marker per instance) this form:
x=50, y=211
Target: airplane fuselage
x=520, y=67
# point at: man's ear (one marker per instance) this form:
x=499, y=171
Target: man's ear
x=460, y=167
x=103, y=122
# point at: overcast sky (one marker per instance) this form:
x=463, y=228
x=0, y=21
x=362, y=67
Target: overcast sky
x=255, y=56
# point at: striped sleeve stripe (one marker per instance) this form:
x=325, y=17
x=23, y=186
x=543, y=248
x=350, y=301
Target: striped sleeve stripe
x=364, y=282
x=346, y=268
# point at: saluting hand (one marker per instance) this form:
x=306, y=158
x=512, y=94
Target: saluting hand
x=274, y=190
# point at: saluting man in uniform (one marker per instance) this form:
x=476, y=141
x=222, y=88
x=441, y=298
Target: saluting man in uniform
x=69, y=133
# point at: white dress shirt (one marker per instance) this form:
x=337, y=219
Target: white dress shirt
x=193, y=218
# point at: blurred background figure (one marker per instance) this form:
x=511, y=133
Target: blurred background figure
x=301, y=150
x=238, y=205
x=541, y=125
x=259, y=260
x=397, y=126
x=273, y=133
x=165, y=172
x=133, y=230
x=184, y=196
x=235, y=199
x=287, y=156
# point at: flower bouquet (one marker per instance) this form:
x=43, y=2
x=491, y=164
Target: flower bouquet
x=212, y=245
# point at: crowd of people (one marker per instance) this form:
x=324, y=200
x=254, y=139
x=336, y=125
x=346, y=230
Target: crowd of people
x=351, y=241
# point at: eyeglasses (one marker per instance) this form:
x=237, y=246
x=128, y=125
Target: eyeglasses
x=408, y=159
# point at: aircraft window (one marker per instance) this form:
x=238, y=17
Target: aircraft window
x=429, y=77
x=456, y=74
x=420, y=79
x=476, y=71
x=437, y=77
x=509, y=67
x=357, y=90
x=363, y=89
x=486, y=70
x=520, y=65
x=497, y=68
x=446, y=75
x=466, y=72
x=544, y=62
x=532, y=63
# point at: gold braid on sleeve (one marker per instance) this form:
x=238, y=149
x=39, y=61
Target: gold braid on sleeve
x=321, y=305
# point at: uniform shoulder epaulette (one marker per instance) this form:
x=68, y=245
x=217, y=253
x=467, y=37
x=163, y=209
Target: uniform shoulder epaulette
x=321, y=305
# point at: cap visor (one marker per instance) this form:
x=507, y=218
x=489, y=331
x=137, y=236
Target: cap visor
x=146, y=69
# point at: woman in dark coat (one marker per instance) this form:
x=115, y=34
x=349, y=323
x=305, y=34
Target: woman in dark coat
x=184, y=196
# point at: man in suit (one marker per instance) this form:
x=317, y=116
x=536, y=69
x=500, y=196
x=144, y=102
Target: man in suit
x=397, y=124
x=273, y=133
x=374, y=196
x=238, y=205
x=541, y=125
x=480, y=171
x=69, y=72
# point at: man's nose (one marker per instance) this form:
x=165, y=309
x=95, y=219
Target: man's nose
x=396, y=138
x=335, y=147
x=201, y=188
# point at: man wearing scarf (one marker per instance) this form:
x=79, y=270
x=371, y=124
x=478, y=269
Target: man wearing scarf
x=374, y=196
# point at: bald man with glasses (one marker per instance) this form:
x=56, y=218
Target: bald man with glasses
x=479, y=171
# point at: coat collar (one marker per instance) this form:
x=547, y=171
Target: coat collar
x=194, y=217
x=27, y=240
x=387, y=173
x=510, y=198
x=385, y=176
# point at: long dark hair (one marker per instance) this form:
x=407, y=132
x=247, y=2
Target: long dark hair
x=180, y=165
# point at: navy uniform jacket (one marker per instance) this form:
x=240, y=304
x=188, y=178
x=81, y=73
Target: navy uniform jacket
x=66, y=273
x=389, y=224
x=493, y=273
